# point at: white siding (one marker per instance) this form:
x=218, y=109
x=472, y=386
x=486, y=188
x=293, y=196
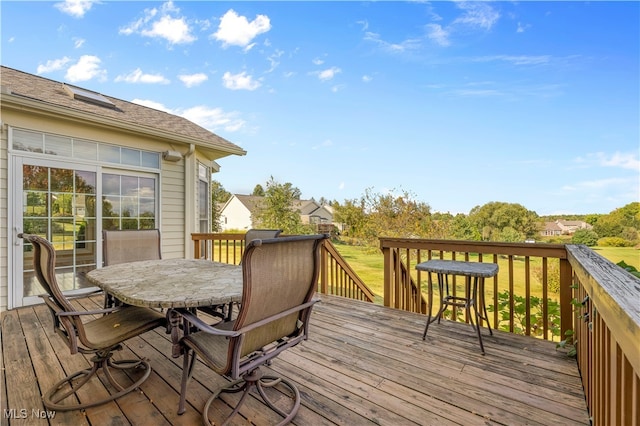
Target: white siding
x=236, y=216
x=172, y=210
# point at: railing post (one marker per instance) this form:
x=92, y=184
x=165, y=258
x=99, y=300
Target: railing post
x=196, y=248
x=566, y=296
x=388, y=271
x=323, y=268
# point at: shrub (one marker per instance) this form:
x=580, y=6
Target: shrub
x=586, y=237
x=614, y=242
x=535, y=315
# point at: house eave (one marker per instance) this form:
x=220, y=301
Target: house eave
x=215, y=151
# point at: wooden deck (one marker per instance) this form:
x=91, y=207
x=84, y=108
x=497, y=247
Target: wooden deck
x=364, y=364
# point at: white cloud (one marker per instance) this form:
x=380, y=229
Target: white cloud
x=274, y=60
x=599, y=184
x=152, y=104
x=191, y=80
x=617, y=159
x=318, y=61
x=477, y=14
x=241, y=81
x=52, y=65
x=408, y=44
x=212, y=119
x=85, y=69
x=174, y=30
x=367, y=78
x=137, y=76
x=162, y=24
x=75, y=8
x=328, y=74
x=438, y=34
x=516, y=60
x=327, y=143
x=78, y=42
x=236, y=30
x=522, y=27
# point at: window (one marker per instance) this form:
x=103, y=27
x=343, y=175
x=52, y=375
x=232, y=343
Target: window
x=204, y=199
x=63, y=146
x=128, y=202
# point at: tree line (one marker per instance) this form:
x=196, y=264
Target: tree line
x=399, y=214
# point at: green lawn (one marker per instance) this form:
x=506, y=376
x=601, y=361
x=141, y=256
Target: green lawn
x=630, y=255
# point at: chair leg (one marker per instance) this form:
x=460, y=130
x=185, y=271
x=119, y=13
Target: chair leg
x=255, y=378
x=187, y=371
x=69, y=386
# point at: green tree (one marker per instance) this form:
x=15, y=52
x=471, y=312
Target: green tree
x=463, y=229
x=352, y=216
x=510, y=235
x=390, y=215
x=492, y=218
x=628, y=216
x=586, y=237
x=277, y=209
x=396, y=215
x=219, y=196
x=258, y=191
x=608, y=226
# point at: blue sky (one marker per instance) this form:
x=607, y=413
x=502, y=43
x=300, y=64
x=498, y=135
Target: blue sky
x=457, y=103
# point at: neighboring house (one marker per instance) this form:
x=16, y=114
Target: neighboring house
x=563, y=227
x=74, y=162
x=237, y=212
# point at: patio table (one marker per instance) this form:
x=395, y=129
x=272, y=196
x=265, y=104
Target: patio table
x=171, y=284
x=474, y=274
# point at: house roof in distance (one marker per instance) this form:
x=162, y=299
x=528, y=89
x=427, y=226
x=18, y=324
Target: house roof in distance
x=94, y=105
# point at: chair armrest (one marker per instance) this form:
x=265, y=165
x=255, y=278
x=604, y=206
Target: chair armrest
x=81, y=292
x=92, y=312
x=203, y=326
x=282, y=314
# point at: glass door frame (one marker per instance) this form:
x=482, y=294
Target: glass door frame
x=15, y=288
x=16, y=294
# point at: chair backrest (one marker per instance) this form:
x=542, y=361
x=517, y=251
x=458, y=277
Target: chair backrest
x=44, y=261
x=260, y=234
x=70, y=327
x=130, y=245
x=278, y=274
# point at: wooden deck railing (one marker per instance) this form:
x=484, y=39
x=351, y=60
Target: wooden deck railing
x=336, y=275
x=535, y=311
x=598, y=301
x=607, y=331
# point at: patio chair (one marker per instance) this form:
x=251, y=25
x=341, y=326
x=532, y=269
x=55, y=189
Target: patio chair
x=129, y=245
x=261, y=234
x=225, y=312
x=280, y=276
x=99, y=337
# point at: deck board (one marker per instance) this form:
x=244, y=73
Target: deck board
x=363, y=364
